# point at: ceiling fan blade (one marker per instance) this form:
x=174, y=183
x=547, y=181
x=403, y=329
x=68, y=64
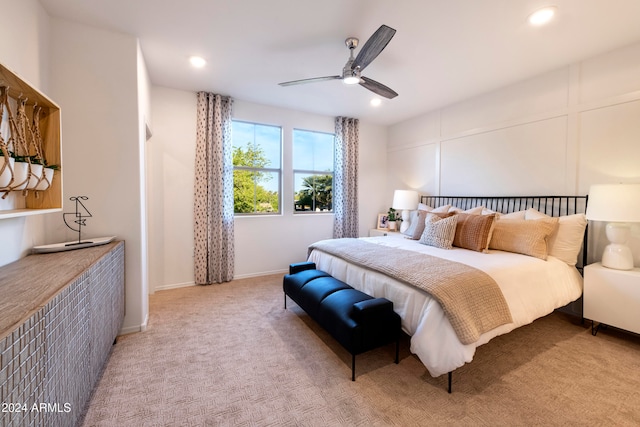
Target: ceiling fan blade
x=312, y=80
x=372, y=48
x=378, y=88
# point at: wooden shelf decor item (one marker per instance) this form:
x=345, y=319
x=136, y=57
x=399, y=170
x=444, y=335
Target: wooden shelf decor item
x=30, y=149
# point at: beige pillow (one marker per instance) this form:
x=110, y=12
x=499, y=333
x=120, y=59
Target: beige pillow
x=439, y=232
x=522, y=236
x=565, y=243
x=473, y=231
x=416, y=232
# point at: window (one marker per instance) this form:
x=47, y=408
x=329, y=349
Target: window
x=256, y=168
x=313, y=171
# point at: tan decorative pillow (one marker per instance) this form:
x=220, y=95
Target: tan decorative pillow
x=473, y=231
x=522, y=236
x=439, y=232
x=565, y=243
x=422, y=216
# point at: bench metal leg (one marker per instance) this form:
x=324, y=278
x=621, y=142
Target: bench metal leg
x=353, y=367
x=450, y=374
x=398, y=350
x=285, y=301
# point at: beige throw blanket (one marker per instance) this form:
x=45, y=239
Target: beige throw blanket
x=470, y=298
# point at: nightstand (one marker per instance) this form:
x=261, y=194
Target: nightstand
x=612, y=297
x=374, y=232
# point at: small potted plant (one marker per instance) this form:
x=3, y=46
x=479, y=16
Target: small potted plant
x=392, y=217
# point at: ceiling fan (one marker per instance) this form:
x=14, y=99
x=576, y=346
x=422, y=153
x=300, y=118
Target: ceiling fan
x=354, y=66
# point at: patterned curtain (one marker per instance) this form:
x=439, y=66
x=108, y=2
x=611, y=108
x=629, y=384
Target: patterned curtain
x=213, y=202
x=345, y=198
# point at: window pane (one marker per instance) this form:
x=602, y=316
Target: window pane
x=256, y=145
x=312, y=151
x=256, y=152
x=313, y=192
x=255, y=192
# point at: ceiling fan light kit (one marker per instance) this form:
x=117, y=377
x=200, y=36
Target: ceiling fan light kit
x=351, y=73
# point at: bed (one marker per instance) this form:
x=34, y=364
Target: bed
x=532, y=285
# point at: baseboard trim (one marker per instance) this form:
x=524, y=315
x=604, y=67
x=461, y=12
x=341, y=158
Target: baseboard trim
x=238, y=277
x=263, y=273
x=144, y=325
x=135, y=328
x=174, y=286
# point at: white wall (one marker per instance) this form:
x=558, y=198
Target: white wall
x=24, y=46
x=95, y=79
x=262, y=244
x=170, y=174
x=557, y=133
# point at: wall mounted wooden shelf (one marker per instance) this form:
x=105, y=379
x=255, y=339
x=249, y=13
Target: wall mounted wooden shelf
x=49, y=200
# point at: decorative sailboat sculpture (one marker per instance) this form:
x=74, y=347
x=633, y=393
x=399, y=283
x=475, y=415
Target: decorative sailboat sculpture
x=75, y=221
x=81, y=214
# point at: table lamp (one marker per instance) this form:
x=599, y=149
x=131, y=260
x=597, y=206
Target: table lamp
x=405, y=200
x=618, y=205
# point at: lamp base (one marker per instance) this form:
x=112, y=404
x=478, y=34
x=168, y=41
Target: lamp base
x=618, y=257
x=404, y=226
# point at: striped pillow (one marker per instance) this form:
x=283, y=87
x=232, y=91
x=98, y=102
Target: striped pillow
x=473, y=231
x=439, y=232
x=522, y=236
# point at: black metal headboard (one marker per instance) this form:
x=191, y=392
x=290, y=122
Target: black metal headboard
x=549, y=205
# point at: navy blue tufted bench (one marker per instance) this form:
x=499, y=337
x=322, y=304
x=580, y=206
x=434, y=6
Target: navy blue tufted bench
x=356, y=320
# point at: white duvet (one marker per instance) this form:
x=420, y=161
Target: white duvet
x=532, y=287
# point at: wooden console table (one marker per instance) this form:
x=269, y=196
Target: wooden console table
x=59, y=316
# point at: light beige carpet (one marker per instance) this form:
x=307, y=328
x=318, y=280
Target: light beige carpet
x=231, y=355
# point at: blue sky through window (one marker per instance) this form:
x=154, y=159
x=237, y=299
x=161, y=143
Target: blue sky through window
x=265, y=136
x=312, y=151
x=268, y=138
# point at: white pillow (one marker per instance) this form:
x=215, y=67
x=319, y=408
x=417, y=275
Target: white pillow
x=412, y=223
x=565, y=243
x=478, y=210
x=472, y=211
x=441, y=209
x=513, y=215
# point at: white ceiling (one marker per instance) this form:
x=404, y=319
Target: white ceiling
x=444, y=50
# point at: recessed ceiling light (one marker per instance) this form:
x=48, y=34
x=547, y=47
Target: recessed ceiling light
x=542, y=16
x=375, y=102
x=197, y=61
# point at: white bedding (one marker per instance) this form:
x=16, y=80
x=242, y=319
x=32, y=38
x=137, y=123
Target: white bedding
x=532, y=287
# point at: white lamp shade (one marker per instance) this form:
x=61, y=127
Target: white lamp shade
x=614, y=203
x=405, y=199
